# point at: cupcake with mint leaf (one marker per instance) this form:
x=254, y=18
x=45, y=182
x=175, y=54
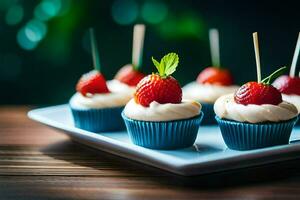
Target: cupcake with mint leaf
x=157, y=117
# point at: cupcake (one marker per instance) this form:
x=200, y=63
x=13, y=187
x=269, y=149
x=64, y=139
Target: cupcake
x=255, y=116
x=157, y=117
x=94, y=107
x=130, y=75
x=252, y=126
x=211, y=83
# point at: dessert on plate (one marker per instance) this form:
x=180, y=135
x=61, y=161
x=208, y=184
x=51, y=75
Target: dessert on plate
x=94, y=107
x=211, y=83
x=289, y=86
x=255, y=116
x=130, y=75
x=157, y=117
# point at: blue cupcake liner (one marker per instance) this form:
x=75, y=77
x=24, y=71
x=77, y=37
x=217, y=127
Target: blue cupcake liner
x=209, y=114
x=298, y=122
x=98, y=120
x=166, y=135
x=247, y=136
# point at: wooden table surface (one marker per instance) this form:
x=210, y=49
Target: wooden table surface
x=37, y=162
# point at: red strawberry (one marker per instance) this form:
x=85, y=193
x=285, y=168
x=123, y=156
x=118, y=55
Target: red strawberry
x=257, y=93
x=129, y=75
x=156, y=88
x=162, y=87
x=215, y=75
x=92, y=83
x=260, y=93
x=288, y=85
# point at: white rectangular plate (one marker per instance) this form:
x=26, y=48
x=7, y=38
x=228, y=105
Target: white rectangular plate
x=209, y=154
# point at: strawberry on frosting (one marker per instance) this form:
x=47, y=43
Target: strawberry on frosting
x=93, y=91
x=259, y=93
x=288, y=85
x=92, y=83
x=211, y=83
x=129, y=75
x=214, y=81
x=160, y=87
x=215, y=75
x=256, y=102
x=290, y=88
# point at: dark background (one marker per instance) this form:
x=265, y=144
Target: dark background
x=44, y=46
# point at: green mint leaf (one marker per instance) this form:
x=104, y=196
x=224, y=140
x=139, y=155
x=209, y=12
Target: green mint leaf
x=167, y=65
x=171, y=62
x=269, y=80
x=156, y=64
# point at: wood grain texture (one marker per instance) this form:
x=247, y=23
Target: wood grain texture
x=37, y=162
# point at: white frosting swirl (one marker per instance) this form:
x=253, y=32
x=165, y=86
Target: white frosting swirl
x=162, y=112
x=226, y=107
x=294, y=99
x=117, y=86
x=206, y=93
x=107, y=100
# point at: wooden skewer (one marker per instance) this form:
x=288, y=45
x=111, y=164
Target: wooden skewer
x=214, y=47
x=96, y=60
x=137, y=45
x=295, y=58
x=257, y=58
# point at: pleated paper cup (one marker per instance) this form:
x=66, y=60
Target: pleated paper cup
x=247, y=136
x=174, y=134
x=98, y=120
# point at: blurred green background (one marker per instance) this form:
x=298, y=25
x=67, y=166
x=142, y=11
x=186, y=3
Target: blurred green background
x=45, y=46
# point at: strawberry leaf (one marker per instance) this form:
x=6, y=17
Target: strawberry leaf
x=171, y=62
x=268, y=80
x=156, y=63
x=167, y=65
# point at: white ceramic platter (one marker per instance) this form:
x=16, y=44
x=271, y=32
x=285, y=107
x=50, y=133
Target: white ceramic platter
x=209, y=154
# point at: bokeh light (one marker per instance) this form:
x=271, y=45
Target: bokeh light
x=24, y=41
x=154, y=11
x=35, y=30
x=31, y=34
x=14, y=15
x=47, y=9
x=125, y=12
